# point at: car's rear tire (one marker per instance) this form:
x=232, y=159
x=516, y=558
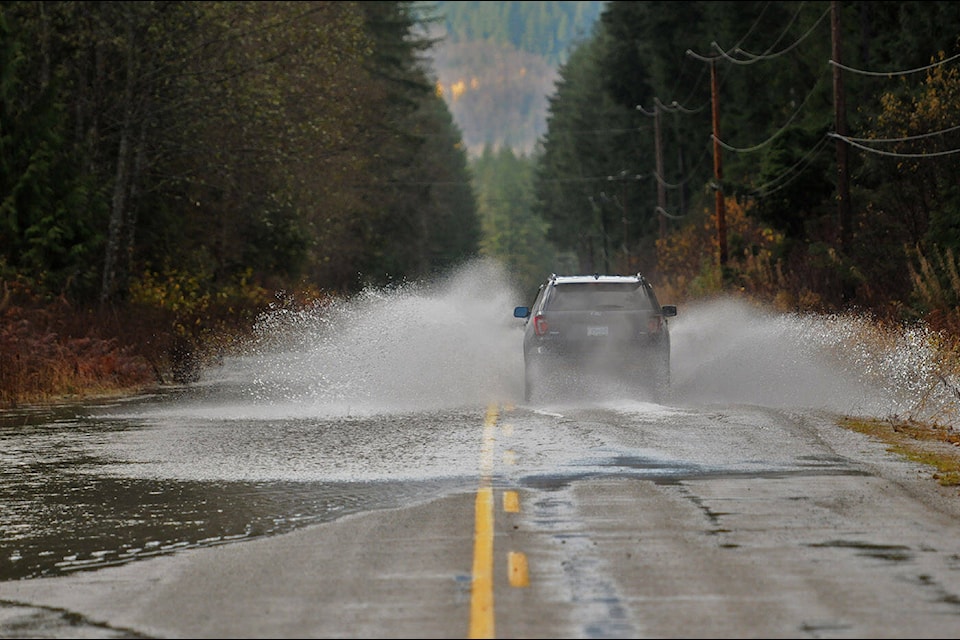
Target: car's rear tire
x=530, y=379
x=539, y=380
x=661, y=383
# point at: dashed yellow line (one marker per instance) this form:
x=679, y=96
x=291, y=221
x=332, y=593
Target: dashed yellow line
x=516, y=562
x=481, y=594
x=511, y=502
x=517, y=569
x=481, y=600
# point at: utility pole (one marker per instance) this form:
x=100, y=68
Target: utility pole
x=717, y=166
x=623, y=212
x=661, y=194
x=844, y=214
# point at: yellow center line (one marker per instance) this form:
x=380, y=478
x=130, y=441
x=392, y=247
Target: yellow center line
x=517, y=569
x=481, y=598
x=511, y=502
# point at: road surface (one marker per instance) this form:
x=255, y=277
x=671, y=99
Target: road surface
x=607, y=520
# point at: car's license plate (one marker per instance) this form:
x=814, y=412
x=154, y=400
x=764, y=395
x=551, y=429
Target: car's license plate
x=597, y=331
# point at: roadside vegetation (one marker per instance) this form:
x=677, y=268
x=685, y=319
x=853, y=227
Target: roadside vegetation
x=935, y=446
x=169, y=171
x=626, y=177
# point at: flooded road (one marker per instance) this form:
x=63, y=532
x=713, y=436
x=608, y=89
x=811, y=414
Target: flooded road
x=333, y=410
x=87, y=491
x=629, y=519
x=378, y=403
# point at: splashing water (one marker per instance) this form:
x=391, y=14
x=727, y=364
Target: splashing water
x=446, y=344
x=727, y=351
x=454, y=343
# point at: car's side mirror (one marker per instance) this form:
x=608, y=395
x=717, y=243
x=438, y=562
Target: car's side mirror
x=668, y=310
x=521, y=312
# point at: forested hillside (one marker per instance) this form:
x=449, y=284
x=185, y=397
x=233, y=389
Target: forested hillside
x=819, y=170
x=169, y=168
x=547, y=29
x=496, y=64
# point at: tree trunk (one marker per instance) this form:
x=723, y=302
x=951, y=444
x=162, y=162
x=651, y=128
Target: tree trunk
x=118, y=202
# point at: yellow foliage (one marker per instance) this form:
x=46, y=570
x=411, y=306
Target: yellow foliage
x=173, y=290
x=692, y=256
x=196, y=305
x=932, y=108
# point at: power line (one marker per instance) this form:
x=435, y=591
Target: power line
x=780, y=131
x=693, y=90
x=663, y=212
x=908, y=138
x=741, y=57
x=675, y=107
x=693, y=86
x=790, y=174
x=768, y=56
x=656, y=175
x=582, y=132
x=932, y=154
x=890, y=74
x=782, y=33
x=608, y=178
x=756, y=23
x=690, y=176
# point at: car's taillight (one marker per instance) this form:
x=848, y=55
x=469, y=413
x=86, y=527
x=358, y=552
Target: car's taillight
x=539, y=325
x=654, y=324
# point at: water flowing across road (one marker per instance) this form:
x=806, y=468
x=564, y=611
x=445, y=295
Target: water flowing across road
x=372, y=402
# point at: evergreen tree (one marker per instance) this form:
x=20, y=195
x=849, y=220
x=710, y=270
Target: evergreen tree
x=47, y=215
x=595, y=172
x=512, y=232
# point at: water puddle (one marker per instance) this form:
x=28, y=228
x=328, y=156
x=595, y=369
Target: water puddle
x=375, y=401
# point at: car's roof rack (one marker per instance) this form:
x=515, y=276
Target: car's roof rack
x=596, y=276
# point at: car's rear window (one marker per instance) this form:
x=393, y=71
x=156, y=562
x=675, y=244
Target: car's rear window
x=598, y=295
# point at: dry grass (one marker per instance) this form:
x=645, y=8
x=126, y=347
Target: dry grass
x=933, y=441
x=52, y=351
x=931, y=445
x=55, y=352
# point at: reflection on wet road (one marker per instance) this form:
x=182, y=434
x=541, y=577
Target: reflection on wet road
x=83, y=489
x=378, y=401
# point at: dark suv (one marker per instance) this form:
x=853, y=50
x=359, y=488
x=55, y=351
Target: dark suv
x=596, y=325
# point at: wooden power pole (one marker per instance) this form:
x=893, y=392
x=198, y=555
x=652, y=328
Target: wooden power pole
x=844, y=214
x=661, y=192
x=717, y=166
